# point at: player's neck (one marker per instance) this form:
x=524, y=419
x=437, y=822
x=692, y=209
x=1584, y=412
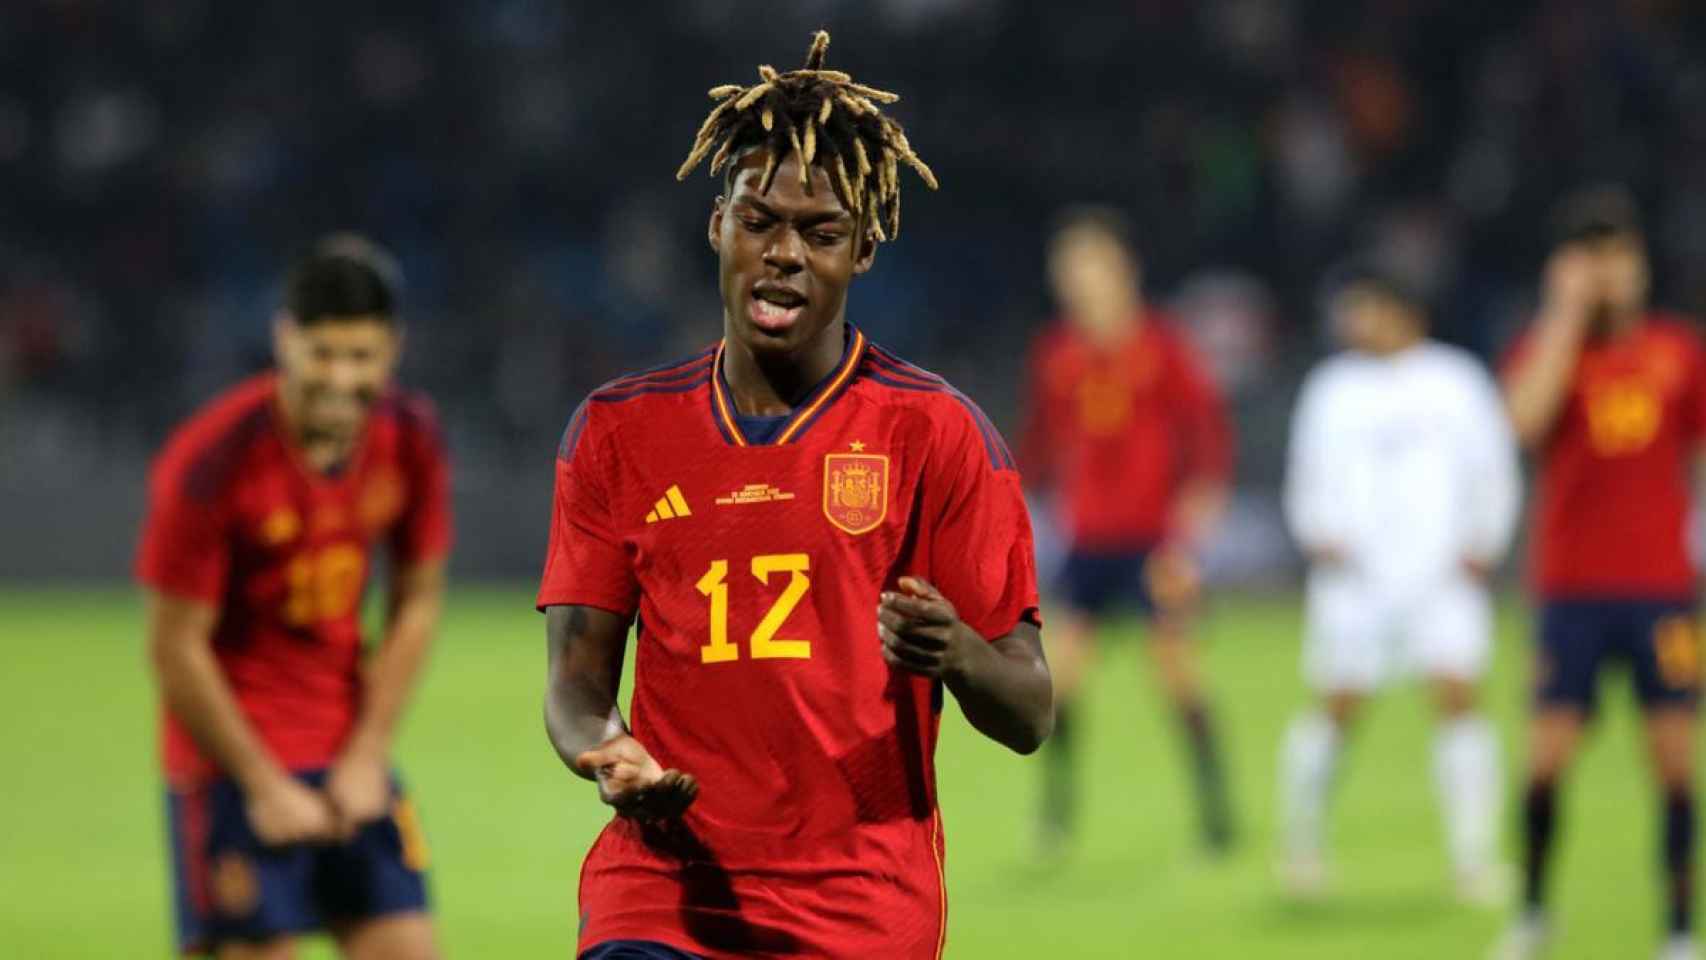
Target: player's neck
x=1618, y=324
x=1397, y=345
x=1115, y=330
x=774, y=384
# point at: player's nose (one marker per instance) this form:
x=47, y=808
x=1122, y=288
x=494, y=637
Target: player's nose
x=786, y=252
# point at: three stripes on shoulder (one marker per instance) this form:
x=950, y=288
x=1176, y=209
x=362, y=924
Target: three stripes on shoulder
x=671, y=505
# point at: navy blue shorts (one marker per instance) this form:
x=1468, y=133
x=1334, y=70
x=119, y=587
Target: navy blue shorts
x=637, y=950
x=1658, y=639
x=231, y=888
x=1099, y=583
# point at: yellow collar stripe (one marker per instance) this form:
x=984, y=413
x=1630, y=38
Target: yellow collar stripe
x=722, y=402
x=841, y=378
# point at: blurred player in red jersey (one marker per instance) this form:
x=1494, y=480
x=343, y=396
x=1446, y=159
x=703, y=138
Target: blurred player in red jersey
x=815, y=539
x=1611, y=398
x=1127, y=433
x=264, y=509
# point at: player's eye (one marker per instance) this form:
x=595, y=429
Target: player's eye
x=826, y=238
x=755, y=224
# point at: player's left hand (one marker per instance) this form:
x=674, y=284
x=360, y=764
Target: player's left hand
x=1479, y=570
x=921, y=632
x=359, y=788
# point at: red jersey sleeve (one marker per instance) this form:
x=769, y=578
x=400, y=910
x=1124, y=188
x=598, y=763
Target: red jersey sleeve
x=982, y=557
x=424, y=532
x=184, y=550
x=1207, y=432
x=1694, y=392
x=585, y=561
x=1037, y=457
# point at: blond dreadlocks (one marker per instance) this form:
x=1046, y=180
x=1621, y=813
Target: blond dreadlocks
x=823, y=117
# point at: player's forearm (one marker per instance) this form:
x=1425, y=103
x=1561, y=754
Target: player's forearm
x=575, y=724
x=583, y=671
x=1005, y=690
x=1197, y=510
x=392, y=674
x=1535, y=391
x=197, y=695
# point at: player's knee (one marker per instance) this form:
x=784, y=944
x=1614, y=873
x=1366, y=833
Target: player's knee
x=1342, y=709
x=1455, y=698
x=1552, y=746
x=406, y=936
x=1674, y=769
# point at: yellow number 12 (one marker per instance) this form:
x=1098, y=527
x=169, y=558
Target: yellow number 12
x=765, y=646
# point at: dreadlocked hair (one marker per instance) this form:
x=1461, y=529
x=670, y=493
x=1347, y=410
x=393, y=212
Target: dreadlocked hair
x=823, y=117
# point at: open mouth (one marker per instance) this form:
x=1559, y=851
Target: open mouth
x=775, y=309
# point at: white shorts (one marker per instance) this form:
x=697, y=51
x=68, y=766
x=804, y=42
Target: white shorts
x=1357, y=638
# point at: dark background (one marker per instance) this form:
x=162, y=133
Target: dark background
x=161, y=161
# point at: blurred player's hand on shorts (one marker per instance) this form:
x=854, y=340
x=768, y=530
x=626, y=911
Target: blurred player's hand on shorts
x=1175, y=582
x=630, y=780
x=359, y=788
x=286, y=811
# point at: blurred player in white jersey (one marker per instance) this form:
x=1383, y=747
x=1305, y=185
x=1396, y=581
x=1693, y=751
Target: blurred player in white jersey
x=1402, y=491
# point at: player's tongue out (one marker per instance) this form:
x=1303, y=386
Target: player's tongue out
x=775, y=311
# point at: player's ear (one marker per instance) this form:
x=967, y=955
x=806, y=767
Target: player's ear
x=866, y=255
x=716, y=228
x=283, y=331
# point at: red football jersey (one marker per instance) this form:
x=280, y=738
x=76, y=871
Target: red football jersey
x=236, y=519
x=1612, y=499
x=755, y=572
x=1117, y=432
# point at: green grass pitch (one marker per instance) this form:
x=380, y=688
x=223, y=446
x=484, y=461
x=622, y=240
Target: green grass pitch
x=83, y=870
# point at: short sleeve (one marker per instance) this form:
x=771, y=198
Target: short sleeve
x=1038, y=441
x=425, y=529
x=185, y=549
x=1206, y=430
x=1694, y=396
x=1313, y=495
x=585, y=561
x=982, y=557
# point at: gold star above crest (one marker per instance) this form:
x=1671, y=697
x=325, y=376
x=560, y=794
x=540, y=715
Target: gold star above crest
x=858, y=446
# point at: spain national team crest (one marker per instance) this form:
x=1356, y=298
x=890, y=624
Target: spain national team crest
x=280, y=527
x=856, y=489
x=234, y=887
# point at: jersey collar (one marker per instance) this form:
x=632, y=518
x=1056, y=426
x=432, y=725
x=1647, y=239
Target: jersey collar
x=816, y=402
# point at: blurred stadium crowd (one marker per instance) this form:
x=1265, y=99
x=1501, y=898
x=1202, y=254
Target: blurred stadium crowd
x=163, y=160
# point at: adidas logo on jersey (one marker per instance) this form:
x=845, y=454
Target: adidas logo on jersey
x=671, y=505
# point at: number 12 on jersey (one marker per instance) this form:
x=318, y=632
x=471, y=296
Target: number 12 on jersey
x=763, y=642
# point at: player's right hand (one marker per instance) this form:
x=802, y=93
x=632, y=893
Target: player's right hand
x=287, y=811
x=1327, y=555
x=1572, y=285
x=630, y=780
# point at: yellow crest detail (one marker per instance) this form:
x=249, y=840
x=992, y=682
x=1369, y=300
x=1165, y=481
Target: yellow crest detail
x=856, y=490
x=233, y=885
x=280, y=527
